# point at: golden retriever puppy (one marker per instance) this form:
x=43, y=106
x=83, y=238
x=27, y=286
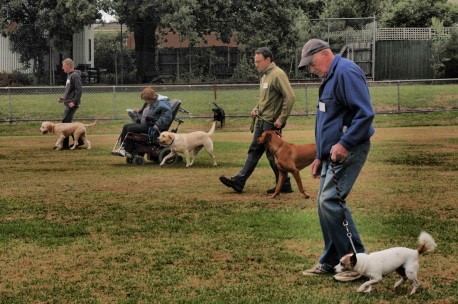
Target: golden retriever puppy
x=63, y=130
x=189, y=144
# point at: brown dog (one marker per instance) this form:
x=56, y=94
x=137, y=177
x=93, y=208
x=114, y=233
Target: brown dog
x=63, y=130
x=288, y=157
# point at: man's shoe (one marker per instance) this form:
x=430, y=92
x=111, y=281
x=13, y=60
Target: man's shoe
x=232, y=183
x=347, y=276
x=316, y=270
x=282, y=190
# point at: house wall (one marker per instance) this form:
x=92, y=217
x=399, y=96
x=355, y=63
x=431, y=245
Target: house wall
x=9, y=61
x=83, y=47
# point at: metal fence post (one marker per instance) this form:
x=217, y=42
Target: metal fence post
x=114, y=103
x=10, y=106
x=215, y=88
x=399, y=96
x=306, y=101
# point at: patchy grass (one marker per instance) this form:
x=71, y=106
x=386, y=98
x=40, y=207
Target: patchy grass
x=84, y=227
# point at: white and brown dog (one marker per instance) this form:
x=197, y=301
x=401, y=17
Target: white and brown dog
x=63, y=130
x=189, y=144
x=381, y=263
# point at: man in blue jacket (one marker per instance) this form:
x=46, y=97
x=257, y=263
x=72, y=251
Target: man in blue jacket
x=343, y=129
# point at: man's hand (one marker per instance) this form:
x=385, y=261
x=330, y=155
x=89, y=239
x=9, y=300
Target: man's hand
x=71, y=104
x=338, y=153
x=278, y=124
x=254, y=113
x=316, y=168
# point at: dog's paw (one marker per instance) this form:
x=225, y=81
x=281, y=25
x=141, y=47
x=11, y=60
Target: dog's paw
x=361, y=288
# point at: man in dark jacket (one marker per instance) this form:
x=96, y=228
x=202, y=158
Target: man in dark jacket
x=72, y=95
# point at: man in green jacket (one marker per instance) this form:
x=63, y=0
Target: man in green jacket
x=271, y=113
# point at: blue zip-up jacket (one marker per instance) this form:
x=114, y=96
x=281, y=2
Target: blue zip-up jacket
x=344, y=113
x=160, y=113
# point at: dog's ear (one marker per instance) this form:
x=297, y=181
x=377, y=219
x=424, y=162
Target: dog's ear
x=353, y=259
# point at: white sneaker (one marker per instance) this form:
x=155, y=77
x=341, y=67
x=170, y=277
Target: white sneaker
x=119, y=152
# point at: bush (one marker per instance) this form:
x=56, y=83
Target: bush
x=15, y=79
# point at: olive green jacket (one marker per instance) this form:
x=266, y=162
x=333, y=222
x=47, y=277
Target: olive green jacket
x=276, y=95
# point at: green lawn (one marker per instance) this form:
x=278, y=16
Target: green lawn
x=85, y=227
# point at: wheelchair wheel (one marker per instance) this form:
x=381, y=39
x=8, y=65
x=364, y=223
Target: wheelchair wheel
x=164, y=152
x=138, y=160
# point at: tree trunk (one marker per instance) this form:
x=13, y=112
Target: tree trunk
x=145, y=50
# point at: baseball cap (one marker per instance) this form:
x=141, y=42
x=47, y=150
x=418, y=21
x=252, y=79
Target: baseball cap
x=310, y=48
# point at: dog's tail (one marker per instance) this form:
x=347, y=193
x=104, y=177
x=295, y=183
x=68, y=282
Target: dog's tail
x=90, y=125
x=212, y=130
x=427, y=243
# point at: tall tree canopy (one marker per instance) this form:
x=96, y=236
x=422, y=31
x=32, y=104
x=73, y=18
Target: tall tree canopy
x=280, y=25
x=418, y=13
x=31, y=24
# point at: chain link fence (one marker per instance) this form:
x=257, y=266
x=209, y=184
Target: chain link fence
x=22, y=104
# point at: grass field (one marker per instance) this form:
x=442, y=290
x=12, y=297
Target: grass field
x=85, y=227
x=111, y=102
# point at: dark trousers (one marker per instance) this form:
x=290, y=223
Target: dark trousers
x=68, y=117
x=255, y=151
x=134, y=128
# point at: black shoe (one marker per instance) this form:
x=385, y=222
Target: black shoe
x=282, y=190
x=232, y=183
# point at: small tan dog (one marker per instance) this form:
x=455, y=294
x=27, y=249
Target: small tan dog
x=64, y=130
x=288, y=157
x=189, y=144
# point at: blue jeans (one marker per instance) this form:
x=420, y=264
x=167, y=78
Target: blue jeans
x=336, y=241
x=255, y=152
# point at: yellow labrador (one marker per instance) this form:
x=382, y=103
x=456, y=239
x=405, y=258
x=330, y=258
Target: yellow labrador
x=189, y=144
x=63, y=130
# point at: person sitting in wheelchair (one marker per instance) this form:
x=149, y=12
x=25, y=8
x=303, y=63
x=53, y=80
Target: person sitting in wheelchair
x=154, y=117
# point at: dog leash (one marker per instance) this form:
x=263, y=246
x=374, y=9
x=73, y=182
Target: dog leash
x=344, y=219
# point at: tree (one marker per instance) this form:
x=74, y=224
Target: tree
x=191, y=18
x=32, y=25
x=353, y=8
x=280, y=25
x=418, y=13
x=444, y=59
